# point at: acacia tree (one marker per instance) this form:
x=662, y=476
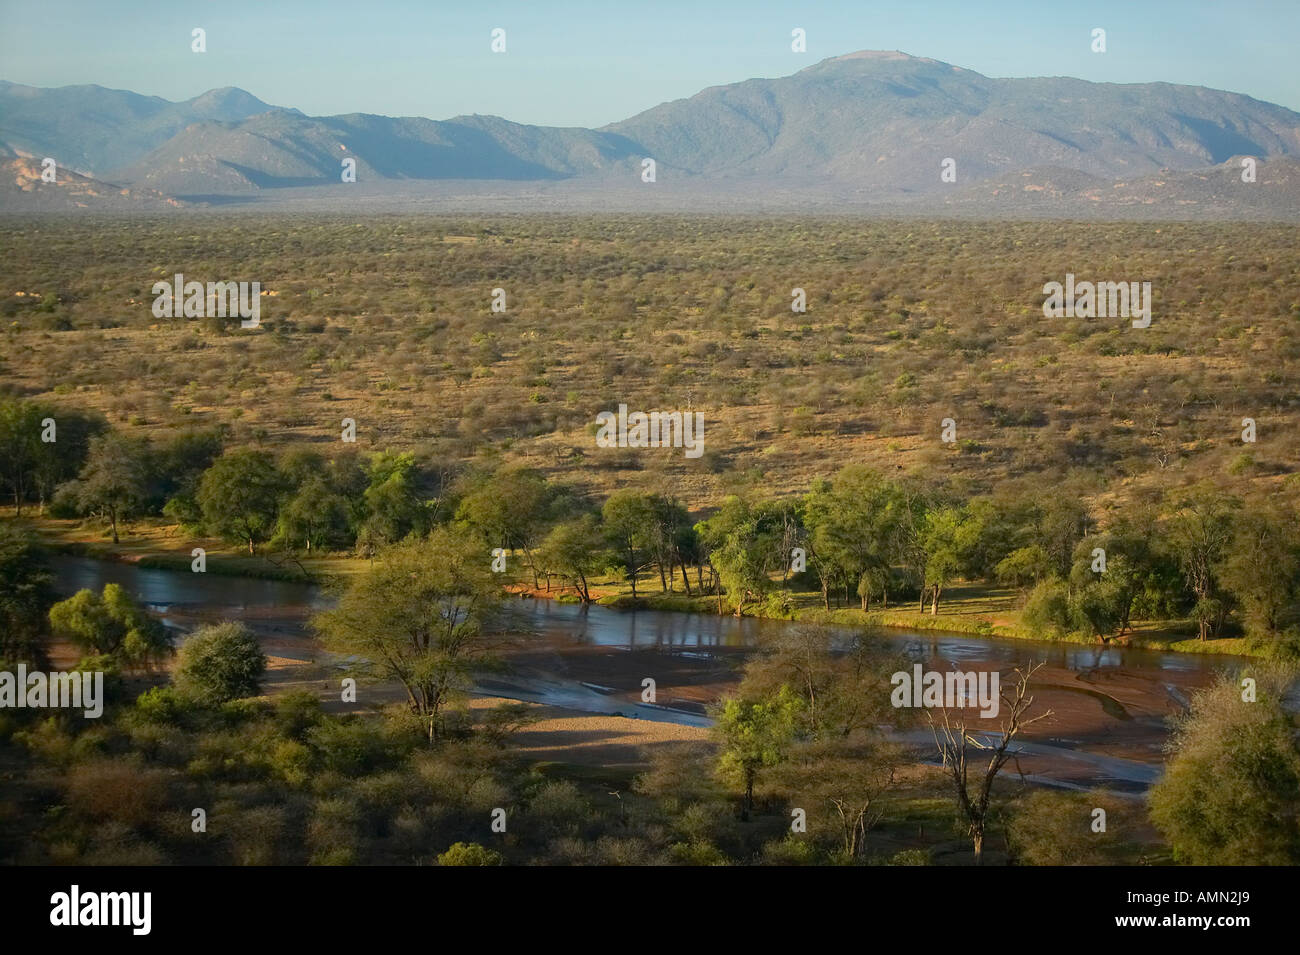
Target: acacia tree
x=220, y=662
x=942, y=537
x=114, y=481
x=755, y=734
x=668, y=535
x=1200, y=532
x=391, y=502
x=511, y=509
x=1228, y=794
x=839, y=758
x=955, y=740
x=110, y=624
x=627, y=517
x=20, y=440
x=1262, y=568
x=315, y=515
x=858, y=523
x=575, y=550
x=852, y=776
x=423, y=615
x=742, y=543
x=26, y=593
x=239, y=496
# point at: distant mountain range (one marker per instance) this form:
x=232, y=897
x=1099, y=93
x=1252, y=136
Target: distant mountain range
x=868, y=128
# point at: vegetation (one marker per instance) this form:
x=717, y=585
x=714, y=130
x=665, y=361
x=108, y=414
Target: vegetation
x=1100, y=490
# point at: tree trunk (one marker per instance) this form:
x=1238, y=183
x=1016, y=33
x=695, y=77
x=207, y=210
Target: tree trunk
x=112, y=516
x=686, y=579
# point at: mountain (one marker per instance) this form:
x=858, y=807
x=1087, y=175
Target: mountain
x=92, y=130
x=866, y=128
x=23, y=190
x=284, y=149
x=887, y=120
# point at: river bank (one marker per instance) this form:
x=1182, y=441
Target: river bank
x=1110, y=705
x=969, y=609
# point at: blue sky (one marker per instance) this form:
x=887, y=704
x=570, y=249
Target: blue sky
x=590, y=63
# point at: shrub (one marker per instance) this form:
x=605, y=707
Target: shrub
x=1047, y=611
x=220, y=663
x=469, y=853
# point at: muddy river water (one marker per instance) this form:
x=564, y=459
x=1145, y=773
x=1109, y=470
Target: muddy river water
x=1110, y=704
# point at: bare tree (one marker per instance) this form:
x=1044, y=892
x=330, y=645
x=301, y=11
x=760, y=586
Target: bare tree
x=954, y=741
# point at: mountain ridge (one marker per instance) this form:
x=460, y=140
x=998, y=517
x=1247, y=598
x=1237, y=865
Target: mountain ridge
x=867, y=125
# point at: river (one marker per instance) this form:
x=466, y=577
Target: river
x=1111, y=703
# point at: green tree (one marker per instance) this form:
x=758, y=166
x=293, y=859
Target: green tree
x=114, y=481
x=944, y=536
x=1200, y=532
x=743, y=543
x=59, y=461
x=1055, y=828
x=240, y=496
x=178, y=467
x=627, y=517
x=755, y=734
x=220, y=662
x=20, y=446
x=393, y=507
x=423, y=616
x=511, y=509
x=1262, y=565
x=314, y=516
x=576, y=550
x=26, y=594
x=110, y=624
x=469, y=853
x=1228, y=794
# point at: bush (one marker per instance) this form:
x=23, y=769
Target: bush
x=910, y=857
x=1047, y=611
x=161, y=705
x=220, y=663
x=469, y=853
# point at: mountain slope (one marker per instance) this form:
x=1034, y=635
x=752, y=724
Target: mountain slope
x=282, y=149
x=888, y=120
x=93, y=130
x=22, y=190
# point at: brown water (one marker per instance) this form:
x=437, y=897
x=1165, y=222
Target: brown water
x=1112, y=703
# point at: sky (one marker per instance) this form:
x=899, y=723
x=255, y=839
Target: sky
x=590, y=63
